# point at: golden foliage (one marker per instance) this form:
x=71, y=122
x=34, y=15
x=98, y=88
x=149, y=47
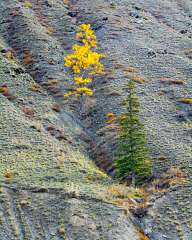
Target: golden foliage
x=111, y=118
x=4, y=89
x=186, y=100
x=84, y=62
x=8, y=174
x=83, y=91
x=142, y=235
x=27, y=4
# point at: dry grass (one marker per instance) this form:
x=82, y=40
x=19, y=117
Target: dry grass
x=124, y=203
x=114, y=93
x=50, y=82
x=137, y=79
x=51, y=30
x=27, y=58
x=176, y=176
x=120, y=191
x=61, y=229
x=126, y=197
x=35, y=87
x=29, y=112
x=172, y=177
x=9, y=55
x=172, y=81
x=187, y=125
x=162, y=157
x=130, y=69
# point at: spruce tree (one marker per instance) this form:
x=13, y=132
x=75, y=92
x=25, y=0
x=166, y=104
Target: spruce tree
x=132, y=156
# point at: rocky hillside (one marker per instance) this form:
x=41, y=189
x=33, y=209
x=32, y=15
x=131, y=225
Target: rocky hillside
x=56, y=155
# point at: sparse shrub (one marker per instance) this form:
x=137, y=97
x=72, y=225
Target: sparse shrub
x=84, y=62
x=132, y=157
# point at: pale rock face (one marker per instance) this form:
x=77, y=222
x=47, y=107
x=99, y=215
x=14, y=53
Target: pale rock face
x=50, y=188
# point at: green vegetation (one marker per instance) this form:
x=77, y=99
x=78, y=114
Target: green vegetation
x=132, y=157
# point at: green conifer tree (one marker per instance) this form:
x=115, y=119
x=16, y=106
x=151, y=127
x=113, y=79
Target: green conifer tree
x=132, y=157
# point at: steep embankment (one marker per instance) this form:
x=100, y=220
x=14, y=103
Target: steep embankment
x=154, y=39
x=47, y=177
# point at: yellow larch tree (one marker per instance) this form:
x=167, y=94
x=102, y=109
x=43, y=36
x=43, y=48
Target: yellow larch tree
x=84, y=62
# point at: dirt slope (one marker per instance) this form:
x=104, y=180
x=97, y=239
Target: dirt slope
x=46, y=142
x=48, y=183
